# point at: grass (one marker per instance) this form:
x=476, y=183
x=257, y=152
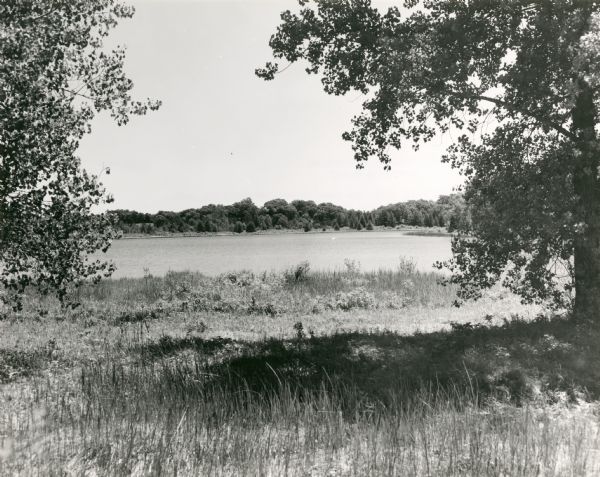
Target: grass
x=193, y=375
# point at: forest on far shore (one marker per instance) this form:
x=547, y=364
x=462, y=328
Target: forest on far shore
x=450, y=211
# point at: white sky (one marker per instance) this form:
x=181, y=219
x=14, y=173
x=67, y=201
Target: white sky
x=223, y=134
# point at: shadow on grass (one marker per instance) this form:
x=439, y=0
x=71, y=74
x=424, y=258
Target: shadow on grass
x=548, y=360
x=167, y=346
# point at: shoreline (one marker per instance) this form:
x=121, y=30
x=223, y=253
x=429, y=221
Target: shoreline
x=417, y=231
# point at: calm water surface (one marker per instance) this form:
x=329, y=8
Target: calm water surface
x=218, y=254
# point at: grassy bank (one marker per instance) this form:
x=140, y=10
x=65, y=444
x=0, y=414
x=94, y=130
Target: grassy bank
x=299, y=373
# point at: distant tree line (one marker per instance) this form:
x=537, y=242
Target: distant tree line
x=448, y=211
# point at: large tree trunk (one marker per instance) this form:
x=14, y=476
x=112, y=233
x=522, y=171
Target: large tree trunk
x=587, y=189
x=587, y=272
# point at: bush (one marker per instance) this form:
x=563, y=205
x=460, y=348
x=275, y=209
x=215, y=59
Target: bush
x=265, y=307
x=232, y=292
x=298, y=273
x=394, y=301
x=357, y=298
x=407, y=266
x=177, y=286
x=250, y=228
x=352, y=266
x=242, y=278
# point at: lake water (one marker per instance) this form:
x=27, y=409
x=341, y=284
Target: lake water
x=212, y=255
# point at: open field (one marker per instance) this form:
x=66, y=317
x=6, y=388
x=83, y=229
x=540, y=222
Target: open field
x=300, y=373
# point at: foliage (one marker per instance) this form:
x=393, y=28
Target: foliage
x=237, y=292
x=242, y=294
x=357, y=298
x=448, y=211
x=352, y=266
x=525, y=227
x=517, y=84
x=298, y=273
x=54, y=77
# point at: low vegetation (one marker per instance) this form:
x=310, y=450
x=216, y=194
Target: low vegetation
x=298, y=373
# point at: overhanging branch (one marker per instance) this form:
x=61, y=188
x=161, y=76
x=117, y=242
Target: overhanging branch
x=557, y=127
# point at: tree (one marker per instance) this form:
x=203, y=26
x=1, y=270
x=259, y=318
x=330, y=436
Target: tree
x=528, y=70
x=280, y=221
x=243, y=211
x=54, y=77
x=264, y=222
x=280, y=206
x=390, y=219
x=305, y=207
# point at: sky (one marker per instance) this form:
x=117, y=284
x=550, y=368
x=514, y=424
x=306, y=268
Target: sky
x=222, y=134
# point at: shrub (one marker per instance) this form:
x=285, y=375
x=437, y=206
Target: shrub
x=298, y=273
x=134, y=316
x=177, y=286
x=265, y=307
x=357, y=298
x=393, y=300
x=211, y=299
x=242, y=278
x=241, y=291
x=407, y=266
x=352, y=266
x=299, y=328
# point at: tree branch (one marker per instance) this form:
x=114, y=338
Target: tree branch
x=510, y=107
x=76, y=93
x=43, y=15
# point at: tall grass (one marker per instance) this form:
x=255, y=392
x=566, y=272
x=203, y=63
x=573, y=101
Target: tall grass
x=297, y=290
x=173, y=418
x=192, y=375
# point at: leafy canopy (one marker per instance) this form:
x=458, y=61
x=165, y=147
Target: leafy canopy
x=55, y=75
x=510, y=81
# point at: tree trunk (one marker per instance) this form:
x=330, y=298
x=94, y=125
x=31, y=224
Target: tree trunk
x=587, y=273
x=587, y=189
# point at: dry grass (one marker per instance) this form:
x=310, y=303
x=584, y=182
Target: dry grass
x=137, y=382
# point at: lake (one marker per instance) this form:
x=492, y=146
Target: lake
x=212, y=255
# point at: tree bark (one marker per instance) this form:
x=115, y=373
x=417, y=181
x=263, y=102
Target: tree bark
x=587, y=190
x=587, y=272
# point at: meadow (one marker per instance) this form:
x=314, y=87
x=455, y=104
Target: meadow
x=296, y=373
